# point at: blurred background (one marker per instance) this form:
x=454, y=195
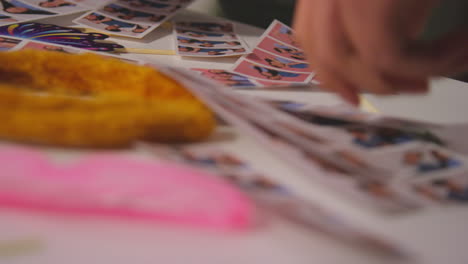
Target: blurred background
x=254, y=12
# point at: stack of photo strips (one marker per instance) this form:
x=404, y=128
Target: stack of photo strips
x=14, y=11
x=388, y=164
x=208, y=39
x=131, y=18
x=277, y=61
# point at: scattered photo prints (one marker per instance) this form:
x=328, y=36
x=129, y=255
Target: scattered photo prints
x=277, y=60
x=12, y=11
x=208, y=39
x=348, y=151
x=272, y=195
x=131, y=18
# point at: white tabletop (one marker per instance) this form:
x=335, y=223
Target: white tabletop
x=437, y=235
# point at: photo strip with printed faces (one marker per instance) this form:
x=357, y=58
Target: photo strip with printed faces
x=62, y=7
x=277, y=60
x=227, y=78
x=131, y=18
x=13, y=11
x=208, y=39
x=445, y=190
x=260, y=72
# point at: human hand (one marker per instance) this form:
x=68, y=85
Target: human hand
x=374, y=45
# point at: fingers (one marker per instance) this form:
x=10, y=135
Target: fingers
x=349, y=61
x=325, y=46
x=339, y=85
x=385, y=34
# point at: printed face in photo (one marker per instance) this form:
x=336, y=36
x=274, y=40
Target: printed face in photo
x=281, y=49
x=117, y=27
x=278, y=62
x=226, y=77
x=129, y=14
x=283, y=33
x=431, y=160
x=22, y=10
x=269, y=74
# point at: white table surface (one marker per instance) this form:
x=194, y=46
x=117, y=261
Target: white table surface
x=437, y=235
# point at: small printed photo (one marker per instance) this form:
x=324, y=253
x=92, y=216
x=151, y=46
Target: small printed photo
x=209, y=52
x=204, y=35
x=22, y=11
x=272, y=46
x=370, y=138
x=203, y=43
x=4, y=19
x=152, y=6
x=224, y=27
x=8, y=43
x=269, y=74
x=132, y=15
x=227, y=78
x=50, y=47
x=390, y=159
x=431, y=160
x=283, y=33
x=444, y=189
x=58, y=6
x=278, y=62
x=117, y=27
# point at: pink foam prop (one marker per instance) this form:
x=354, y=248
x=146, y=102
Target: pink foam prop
x=121, y=186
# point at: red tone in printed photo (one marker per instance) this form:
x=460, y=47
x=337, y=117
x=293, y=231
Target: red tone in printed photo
x=265, y=73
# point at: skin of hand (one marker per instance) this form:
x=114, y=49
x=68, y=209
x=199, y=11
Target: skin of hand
x=375, y=46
